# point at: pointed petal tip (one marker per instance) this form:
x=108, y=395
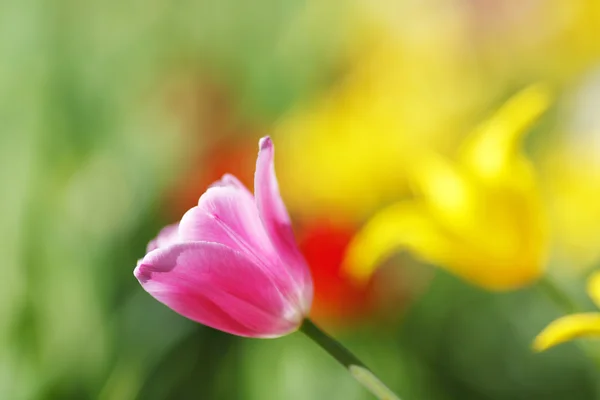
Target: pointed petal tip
x=227, y=177
x=142, y=273
x=228, y=180
x=265, y=143
x=145, y=269
x=357, y=270
x=567, y=328
x=539, y=345
x=158, y=261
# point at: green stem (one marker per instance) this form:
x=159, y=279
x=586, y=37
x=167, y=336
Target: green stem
x=558, y=295
x=357, y=369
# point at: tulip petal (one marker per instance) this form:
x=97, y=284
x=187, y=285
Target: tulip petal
x=495, y=144
x=567, y=328
x=229, y=180
x=400, y=226
x=409, y=226
x=593, y=287
x=218, y=287
x=271, y=208
x=448, y=192
x=228, y=215
x=275, y=217
x=167, y=236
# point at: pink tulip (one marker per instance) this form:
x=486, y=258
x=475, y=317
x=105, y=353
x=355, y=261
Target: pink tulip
x=232, y=262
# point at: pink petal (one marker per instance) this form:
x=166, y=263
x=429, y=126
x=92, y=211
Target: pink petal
x=227, y=215
x=168, y=235
x=218, y=287
x=231, y=181
x=275, y=217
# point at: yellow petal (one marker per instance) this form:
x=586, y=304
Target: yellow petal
x=400, y=226
x=449, y=194
x=568, y=328
x=409, y=226
x=491, y=147
x=593, y=287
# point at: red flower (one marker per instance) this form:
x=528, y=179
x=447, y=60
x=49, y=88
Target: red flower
x=338, y=299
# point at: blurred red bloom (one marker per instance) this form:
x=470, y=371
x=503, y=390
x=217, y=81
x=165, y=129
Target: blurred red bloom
x=338, y=299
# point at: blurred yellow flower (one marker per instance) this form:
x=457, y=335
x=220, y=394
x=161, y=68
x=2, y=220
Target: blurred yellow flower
x=570, y=175
x=480, y=217
x=573, y=326
x=409, y=85
x=418, y=74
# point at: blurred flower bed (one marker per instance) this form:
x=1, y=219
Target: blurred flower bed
x=116, y=116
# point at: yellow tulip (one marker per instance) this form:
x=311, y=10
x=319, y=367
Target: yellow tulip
x=575, y=325
x=570, y=174
x=479, y=217
x=417, y=75
x=410, y=86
